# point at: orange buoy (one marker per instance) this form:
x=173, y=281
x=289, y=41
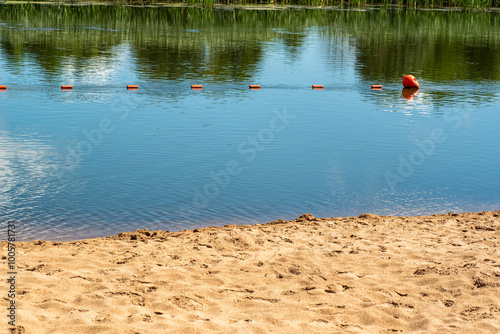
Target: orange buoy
x=317, y=86
x=376, y=87
x=66, y=87
x=409, y=81
x=196, y=86
x=132, y=87
x=3, y=87
x=254, y=86
x=409, y=93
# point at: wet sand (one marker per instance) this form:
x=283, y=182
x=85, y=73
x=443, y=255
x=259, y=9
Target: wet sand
x=366, y=274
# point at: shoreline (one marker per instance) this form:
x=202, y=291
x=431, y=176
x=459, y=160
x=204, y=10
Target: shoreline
x=377, y=274
x=81, y=236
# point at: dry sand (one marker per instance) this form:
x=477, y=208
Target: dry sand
x=366, y=274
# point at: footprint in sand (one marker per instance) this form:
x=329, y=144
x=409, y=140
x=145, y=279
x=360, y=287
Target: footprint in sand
x=186, y=303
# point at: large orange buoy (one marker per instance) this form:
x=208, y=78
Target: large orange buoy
x=409, y=81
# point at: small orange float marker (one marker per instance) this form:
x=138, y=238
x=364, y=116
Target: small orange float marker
x=197, y=87
x=66, y=87
x=254, y=86
x=409, y=81
x=3, y=87
x=377, y=87
x=132, y=87
x=317, y=86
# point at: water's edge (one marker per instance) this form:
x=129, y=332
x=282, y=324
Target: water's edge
x=141, y=235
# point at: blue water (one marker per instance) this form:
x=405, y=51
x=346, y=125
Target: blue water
x=101, y=160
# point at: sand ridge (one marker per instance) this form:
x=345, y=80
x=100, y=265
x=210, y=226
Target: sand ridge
x=366, y=274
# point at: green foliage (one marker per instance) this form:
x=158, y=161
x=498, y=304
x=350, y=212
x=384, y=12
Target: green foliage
x=466, y=5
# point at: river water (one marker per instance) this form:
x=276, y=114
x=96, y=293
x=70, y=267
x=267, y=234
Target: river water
x=101, y=159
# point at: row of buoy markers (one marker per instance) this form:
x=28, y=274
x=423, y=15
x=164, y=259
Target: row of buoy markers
x=193, y=87
x=409, y=81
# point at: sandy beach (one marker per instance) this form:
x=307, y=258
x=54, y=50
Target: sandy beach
x=366, y=274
